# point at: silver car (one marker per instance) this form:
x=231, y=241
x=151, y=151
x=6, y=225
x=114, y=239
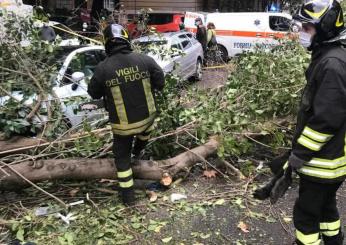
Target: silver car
x=176, y=52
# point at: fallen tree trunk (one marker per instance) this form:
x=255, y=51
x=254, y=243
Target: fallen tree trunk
x=18, y=144
x=86, y=169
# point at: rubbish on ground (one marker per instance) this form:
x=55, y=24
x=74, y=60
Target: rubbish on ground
x=69, y=217
x=43, y=211
x=76, y=203
x=177, y=197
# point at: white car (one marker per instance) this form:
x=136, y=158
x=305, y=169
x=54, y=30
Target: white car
x=76, y=65
x=186, y=59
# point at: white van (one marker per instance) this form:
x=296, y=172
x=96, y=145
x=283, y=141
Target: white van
x=238, y=32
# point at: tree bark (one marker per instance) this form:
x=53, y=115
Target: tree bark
x=86, y=169
x=19, y=144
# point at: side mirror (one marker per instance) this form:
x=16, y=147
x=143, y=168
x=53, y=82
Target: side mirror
x=77, y=76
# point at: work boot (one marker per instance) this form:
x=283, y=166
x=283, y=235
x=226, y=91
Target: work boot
x=334, y=240
x=127, y=196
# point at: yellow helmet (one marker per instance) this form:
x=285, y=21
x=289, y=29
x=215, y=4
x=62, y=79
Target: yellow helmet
x=115, y=31
x=325, y=15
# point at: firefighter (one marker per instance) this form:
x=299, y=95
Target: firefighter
x=127, y=80
x=319, y=149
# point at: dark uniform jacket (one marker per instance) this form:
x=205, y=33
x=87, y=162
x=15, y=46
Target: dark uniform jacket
x=321, y=124
x=201, y=36
x=127, y=81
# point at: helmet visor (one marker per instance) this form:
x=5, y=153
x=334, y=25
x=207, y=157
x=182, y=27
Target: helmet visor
x=313, y=10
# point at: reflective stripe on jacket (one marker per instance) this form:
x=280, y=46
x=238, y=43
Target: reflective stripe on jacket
x=127, y=81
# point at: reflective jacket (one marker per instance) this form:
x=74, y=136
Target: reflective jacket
x=127, y=81
x=321, y=124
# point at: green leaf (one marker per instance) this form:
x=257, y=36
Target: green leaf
x=220, y=202
x=167, y=239
x=61, y=240
x=50, y=48
x=136, y=225
x=20, y=234
x=205, y=236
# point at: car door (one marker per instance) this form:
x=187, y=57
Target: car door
x=73, y=93
x=176, y=57
x=189, y=59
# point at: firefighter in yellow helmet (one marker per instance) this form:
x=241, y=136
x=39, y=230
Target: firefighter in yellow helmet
x=319, y=147
x=127, y=81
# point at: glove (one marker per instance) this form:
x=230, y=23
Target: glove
x=281, y=186
x=264, y=192
x=277, y=163
x=295, y=162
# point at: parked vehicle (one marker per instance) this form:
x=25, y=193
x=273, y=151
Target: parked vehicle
x=186, y=62
x=239, y=32
x=161, y=21
x=76, y=64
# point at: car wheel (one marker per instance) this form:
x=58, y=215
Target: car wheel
x=199, y=71
x=224, y=53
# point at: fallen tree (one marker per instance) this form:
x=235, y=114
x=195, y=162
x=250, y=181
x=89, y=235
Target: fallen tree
x=86, y=169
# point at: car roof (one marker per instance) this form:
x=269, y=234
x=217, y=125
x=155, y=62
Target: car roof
x=160, y=36
x=251, y=14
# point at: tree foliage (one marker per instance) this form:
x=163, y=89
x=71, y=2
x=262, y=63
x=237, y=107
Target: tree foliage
x=265, y=87
x=26, y=68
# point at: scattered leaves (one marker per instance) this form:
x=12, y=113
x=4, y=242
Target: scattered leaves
x=209, y=174
x=74, y=192
x=152, y=196
x=167, y=239
x=287, y=219
x=220, y=202
x=243, y=227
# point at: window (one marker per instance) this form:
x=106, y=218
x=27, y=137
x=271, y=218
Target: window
x=279, y=23
x=189, y=35
x=175, y=44
x=64, y=4
x=160, y=19
x=83, y=62
x=108, y=4
x=185, y=41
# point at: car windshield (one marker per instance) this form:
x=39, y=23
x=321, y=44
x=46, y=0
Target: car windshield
x=150, y=45
x=62, y=52
x=60, y=56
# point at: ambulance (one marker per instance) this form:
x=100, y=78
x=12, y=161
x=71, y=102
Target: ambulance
x=239, y=32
